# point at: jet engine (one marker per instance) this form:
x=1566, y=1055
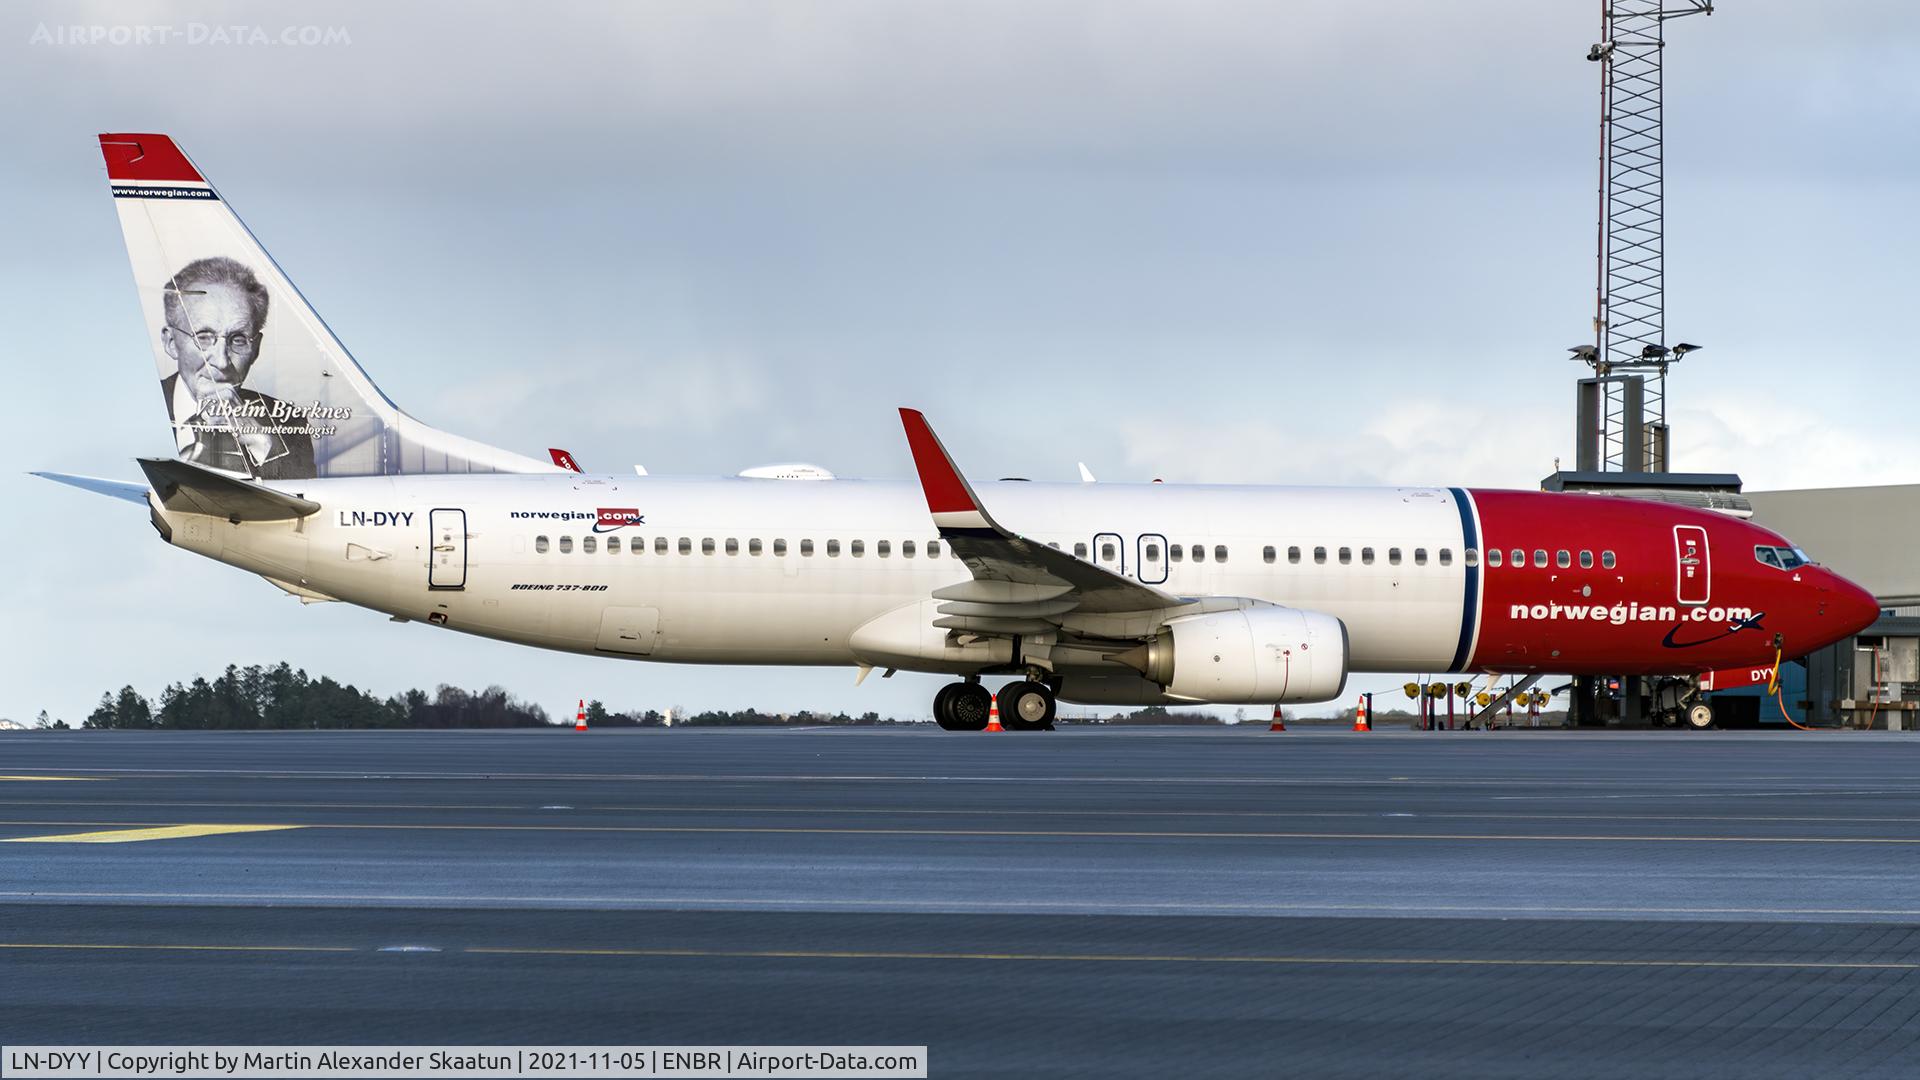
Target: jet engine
x=1254, y=656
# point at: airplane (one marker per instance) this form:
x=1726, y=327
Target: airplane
x=287, y=462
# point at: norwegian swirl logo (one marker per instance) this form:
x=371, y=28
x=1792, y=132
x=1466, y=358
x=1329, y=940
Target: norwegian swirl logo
x=618, y=517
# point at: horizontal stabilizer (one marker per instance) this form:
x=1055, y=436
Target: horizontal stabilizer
x=186, y=488
x=119, y=489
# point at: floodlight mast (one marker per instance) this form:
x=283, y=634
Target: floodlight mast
x=1629, y=355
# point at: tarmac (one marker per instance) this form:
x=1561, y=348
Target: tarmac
x=1092, y=902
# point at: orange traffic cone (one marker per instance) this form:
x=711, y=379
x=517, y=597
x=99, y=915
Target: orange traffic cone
x=993, y=715
x=580, y=722
x=1360, y=720
x=1279, y=720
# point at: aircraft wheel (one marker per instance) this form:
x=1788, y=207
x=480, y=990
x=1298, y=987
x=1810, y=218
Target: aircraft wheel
x=966, y=706
x=943, y=706
x=1700, y=717
x=1026, y=706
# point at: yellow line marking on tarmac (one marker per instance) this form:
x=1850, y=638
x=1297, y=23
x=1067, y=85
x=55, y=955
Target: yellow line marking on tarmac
x=79, y=779
x=1125, y=834
x=163, y=832
x=1111, y=958
x=179, y=948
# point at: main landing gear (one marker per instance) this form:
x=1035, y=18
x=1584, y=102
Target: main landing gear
x=1024, y=706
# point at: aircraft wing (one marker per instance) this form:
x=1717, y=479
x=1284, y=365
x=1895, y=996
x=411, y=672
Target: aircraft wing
x=1019, y=585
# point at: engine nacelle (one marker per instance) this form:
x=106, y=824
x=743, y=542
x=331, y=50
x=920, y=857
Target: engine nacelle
x=1253, y=656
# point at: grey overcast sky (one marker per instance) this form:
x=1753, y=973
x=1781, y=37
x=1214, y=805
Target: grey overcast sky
x=1316, y=241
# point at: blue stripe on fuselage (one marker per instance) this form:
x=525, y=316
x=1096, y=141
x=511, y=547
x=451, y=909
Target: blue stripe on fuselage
x=1469, y=606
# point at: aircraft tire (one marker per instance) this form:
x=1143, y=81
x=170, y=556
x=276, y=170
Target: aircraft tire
x=943, y=707
x=1700, y=717
x=1027, y=706
x=966, y=707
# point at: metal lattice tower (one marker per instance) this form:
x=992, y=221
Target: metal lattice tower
x=1630, y=353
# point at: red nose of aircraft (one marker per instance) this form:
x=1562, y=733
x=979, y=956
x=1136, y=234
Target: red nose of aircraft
x=1854, y=608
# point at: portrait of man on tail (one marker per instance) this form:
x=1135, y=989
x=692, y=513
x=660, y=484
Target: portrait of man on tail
x=215, y=326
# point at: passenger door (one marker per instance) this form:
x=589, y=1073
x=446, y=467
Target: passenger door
x=447, y=559
x=1150, y=563
x=1110, y=552
x=1693, y=565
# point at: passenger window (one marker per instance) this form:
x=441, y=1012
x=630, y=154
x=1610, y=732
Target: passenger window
x=1419, y=556
x=833, y=549
x=1540, y=558
x=1473, y=556
x=906, y=549
x=1175, y=553
x=1219, y=553
x=686, y=546
x=733, y=546
x=1198, y=553
x=1393, y=556
x=1520, y=558
x=1606, y=560
x=753, y=546
x=1079, y=551
x=706, y=545
x=806, y=549
x=1267, y=554
x=1106, y=552
x=1366, y=556
x=588, y=545
x=1153, y=553
x=1586, y=560
x=659, y=545
x=540, y=545
x=613, y=545
x=779, y=547
x=883, y=549
x=1493, y=556
x=1346, y=556
x=1446, y=556
x=1563, y=558
x=566, y=544
x=1320, y=555
x=933, y=549
x=857, y=548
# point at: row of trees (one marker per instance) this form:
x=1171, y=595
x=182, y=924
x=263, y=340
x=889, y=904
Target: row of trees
x=283, y=696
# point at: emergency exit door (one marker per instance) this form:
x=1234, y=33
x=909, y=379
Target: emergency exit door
x=1693, y=564
x=447, y=561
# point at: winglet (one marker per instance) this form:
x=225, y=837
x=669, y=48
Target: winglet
x=563, y=459
x=949, y=498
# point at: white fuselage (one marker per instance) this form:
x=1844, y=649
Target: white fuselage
x=844, y=589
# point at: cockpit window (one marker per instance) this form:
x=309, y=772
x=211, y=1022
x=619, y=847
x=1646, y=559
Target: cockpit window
x=1785, y=558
